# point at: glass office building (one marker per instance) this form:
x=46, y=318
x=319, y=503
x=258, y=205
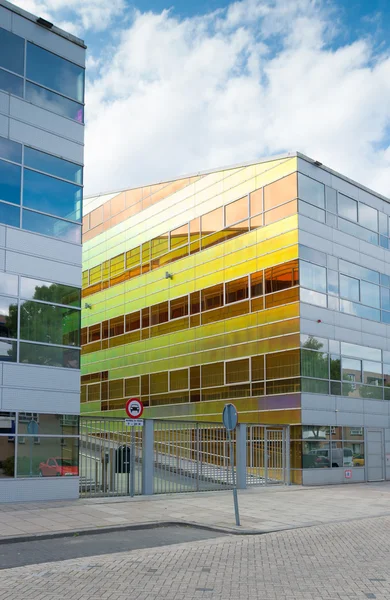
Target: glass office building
x=264, y=284
x=41, y=189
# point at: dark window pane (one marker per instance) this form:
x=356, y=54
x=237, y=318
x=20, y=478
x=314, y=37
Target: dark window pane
x=64, y=230
x=368, y=217
x=316, y=454
x=54, y=72
x=237, y=370
x=49, y=324
x=10, y=182
x=52, y=356
x=311, y=191
x=52, y=101
x=236, y=290
x=7, y=351
x=179, y=307
x=8, y=317
x=312, y=276
x=11, y=83
x=212, y=375
x=335, y=367
x=52, y=196
x=212, y=297
x=11, y=51
x=257, y=284
x=347, y=207
x=33, y=289
x=10, y=150
x=9, y=215
x=52, y=165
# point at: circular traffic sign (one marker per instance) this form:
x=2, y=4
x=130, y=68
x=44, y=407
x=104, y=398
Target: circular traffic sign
x=229, y=417
x=134, y=408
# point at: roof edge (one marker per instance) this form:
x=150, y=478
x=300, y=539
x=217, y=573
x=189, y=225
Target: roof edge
x=30, y=17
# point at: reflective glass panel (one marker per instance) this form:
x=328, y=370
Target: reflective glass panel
x=349, y=288
x=179, y=237
x=64, y=230
x=10, y=150
x=33, y=289
x=359, y=310
x=368, y=217
x=312, y=276
x=256, y=202
x=385, y=298
x=53, y=165
x=237, y=370
x=236, y=290
x=52, y=356
x=8, y=317
x=54, y=72
x=50, y=457
x=311, y=211
x=383, y=224
x=8, y=284
x=52, y=196
x=316, y=454
x=48, y=323
x=212, y=221
x=331, y=199
x=335, y=367
x=49, y=424
x=312, y=255
x=311, y=191
x=313, y=297
x=369, y=294
x=52, y=101
x=372, y=373
x=7, y=350
x=358, y=231
x=9, y=215
x=358, y=271
x=236, y=211
x=333, y=282
x=280, y=191
x=347, y=207
x=11, y=83
x=314, y=364
x=351, y=369
x=10, y=182
x=11, y=51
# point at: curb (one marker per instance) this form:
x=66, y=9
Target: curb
x=133, y=527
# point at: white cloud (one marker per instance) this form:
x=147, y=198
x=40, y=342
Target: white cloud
x=176, y=96
x=76, y=16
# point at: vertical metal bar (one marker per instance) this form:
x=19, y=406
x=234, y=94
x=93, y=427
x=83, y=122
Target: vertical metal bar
x=288, y=468
x=132, y=459
x=235, y=499
x=265, y=456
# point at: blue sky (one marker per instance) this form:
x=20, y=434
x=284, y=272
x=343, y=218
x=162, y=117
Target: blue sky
x=186, y=90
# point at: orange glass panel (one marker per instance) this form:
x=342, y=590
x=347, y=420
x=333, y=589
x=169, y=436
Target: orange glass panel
x=178, y=380
x=257, y=304
x=132, y=321
x=237, y=370
x=96, y=217
x=159, y=313
x=195, y=378
x=280, y=298
x=118, y=204
x=256, y=202
x=194, y=303
x=179, y=307
x=212, y=297
x=258, y=368
x=212, y=221
x=145, y=317
x=133, y=196
x=236, y=290
x=257, y=221
x=83, y=336
x=257, y=288
x=94, y=332
x=158, y=382
x=179, y=236
x=236, y=211
x=280, y=191
x=281, y=212
x=106, y=210
x=132, y=386
x=117, y=326
x=145, y=385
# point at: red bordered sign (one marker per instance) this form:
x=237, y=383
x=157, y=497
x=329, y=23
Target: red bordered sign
x=134, y=408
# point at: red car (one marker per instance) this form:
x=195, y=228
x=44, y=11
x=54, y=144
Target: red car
x=57, y=467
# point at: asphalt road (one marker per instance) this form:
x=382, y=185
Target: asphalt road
x=57, y=549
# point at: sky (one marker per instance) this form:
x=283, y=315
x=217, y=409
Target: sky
x=179, y=87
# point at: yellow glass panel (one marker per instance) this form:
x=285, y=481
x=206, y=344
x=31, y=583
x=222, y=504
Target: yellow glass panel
x=257, y=368
x=117, y=265
x=133, y=257
x=132, y=386
x=106, y=270
x=115, y=388
x=93, y=392
x=179, y=236
x=283, y=386
x=212, y=374
x=178, y=379
x=158, y=383
x=160, y=245
x=283, y=364
x=85, y=280
x=95, y=274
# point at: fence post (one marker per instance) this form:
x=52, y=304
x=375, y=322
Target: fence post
x=287, y=454
x=241, y=442
x=148, y=457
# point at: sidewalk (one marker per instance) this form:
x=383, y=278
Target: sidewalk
x=261, y=510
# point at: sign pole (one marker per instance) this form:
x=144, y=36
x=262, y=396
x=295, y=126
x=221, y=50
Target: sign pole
x=132, y=463
x=230, y=419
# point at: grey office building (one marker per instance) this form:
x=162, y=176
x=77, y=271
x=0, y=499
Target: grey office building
x=41, y=177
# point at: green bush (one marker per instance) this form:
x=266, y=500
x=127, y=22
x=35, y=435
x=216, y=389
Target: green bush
x=8, y=466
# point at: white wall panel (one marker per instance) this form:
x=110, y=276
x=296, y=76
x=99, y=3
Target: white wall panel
x=42, y=488
x=317, y=402
x=2, y=259
x=27, y=112
x=318, y=417
x=40, y=377
x=40, y=245
x=45, y=141
x=5, y=18
x=48, y=401
x=41, y=268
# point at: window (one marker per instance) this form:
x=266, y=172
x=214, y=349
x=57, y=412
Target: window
x=51, y=101
x=257, y=284
x=368, y=217
x=54, y=72
x=57, y=228
x=236, y=211
x=179, y=307
x=372, y=373
x=333, y=282
x=369, y=294
x=349, y=288
x=51, y=195
x=237, y=370
x=11, y=51
x=8, y=317
x=331, y=199
x=280, y=191
x=10, y=182
x=178, y=380
x=256, y=202
x=314, y=364
x=347, y=207
x=49, y=324
x=58, y=293
x=7, y=350
x=9, y=283
x=212, y=297
x=351, y=370
x=311, y=191
x=212, y=375
x=312, y=276
x=236, y=290
x=11, y=83
x=359, y=272
x=50, y=356
x=53, y=166
x=10, y=150
x=9, y=215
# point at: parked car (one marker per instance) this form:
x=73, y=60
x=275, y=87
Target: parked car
x=57, y=467
x=358, y=460
x=340, y=457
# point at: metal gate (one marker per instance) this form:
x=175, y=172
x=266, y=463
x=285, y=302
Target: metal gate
x=110, y=458
x=268, y=455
